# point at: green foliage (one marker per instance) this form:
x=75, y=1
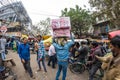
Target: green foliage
x=80, y=18
x=109, y=7
x=43, y=27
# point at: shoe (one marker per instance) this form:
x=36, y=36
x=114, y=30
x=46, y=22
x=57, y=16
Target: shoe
x=48, y=64
x=33, y=77
x=38, y=70
x=53, y=67
x=45, y=72
x=25, y=71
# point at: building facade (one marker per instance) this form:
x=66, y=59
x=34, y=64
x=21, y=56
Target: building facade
x=104, y=21
x=14, y=17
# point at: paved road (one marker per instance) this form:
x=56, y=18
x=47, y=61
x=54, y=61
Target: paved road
x=50, y=75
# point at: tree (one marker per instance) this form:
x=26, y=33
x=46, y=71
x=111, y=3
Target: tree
x=80, y=18
x=43, y=27
x=109, y=7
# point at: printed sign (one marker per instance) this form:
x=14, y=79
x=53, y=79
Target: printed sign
x=10, y=34
x=3, y=29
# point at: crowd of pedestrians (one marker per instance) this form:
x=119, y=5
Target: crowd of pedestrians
x=91, y=53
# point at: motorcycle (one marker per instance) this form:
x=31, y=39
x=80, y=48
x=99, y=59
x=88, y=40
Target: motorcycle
x=76, y=66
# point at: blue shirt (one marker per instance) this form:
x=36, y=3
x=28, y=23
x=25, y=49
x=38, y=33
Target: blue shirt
x=24, y=51
x=63, y=51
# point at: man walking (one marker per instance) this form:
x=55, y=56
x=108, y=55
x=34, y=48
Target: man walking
x=62, y=52
x=24, y=54
x=95, y=63
x=41, y=53
x=2, y=46
x=52, y=55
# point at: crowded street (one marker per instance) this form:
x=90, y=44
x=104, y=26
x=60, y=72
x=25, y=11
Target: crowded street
x=59, y=39
x=50, y=75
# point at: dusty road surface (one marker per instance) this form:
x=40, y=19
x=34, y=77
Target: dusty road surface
x=50, y=75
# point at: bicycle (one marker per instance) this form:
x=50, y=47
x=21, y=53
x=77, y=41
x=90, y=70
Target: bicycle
x=76, y=66
x=79, y=67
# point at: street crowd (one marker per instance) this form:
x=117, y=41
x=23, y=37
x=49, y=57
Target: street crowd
x=96, y=55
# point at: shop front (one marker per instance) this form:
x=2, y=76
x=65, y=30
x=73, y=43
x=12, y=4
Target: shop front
x=12, y=34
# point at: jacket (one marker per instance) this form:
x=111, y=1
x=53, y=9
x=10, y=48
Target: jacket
x=63, y=51
x=96, y=52
x=113, y=69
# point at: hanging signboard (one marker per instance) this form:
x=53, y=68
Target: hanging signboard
x=3, y=29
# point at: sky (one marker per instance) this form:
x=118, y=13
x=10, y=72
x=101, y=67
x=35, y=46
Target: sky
x=42, y=9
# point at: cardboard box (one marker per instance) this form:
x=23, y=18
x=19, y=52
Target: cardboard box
x=61, y=27
x=62, y=23
x=61, y=33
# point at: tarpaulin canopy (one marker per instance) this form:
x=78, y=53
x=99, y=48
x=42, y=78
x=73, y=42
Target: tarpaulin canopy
x=113, y=34
x=45, y=37
x=47, y=43
x=24, y=36
x=48, y=40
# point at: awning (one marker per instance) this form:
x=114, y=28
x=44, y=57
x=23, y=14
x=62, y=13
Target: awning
x=113, y=34
x=24, y=36
x=48, y=40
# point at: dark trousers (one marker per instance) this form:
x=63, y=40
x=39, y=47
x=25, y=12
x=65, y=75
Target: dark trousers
x=52, y=59
x=27, y=67
x=55, y=59
x=43, y=63
x=93, y=71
